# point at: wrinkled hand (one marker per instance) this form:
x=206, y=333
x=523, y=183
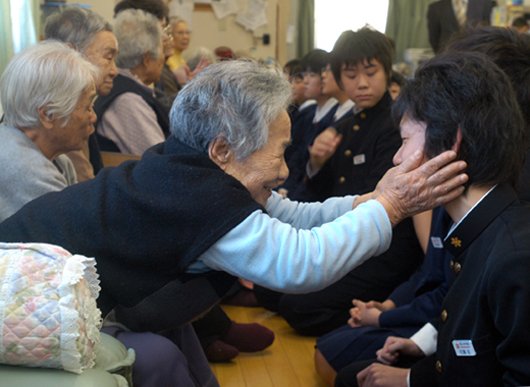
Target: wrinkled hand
x=323, y=148
x=365, y=314
x=379, y=375
x=396, y=345
x=204, y=62
x=409, y=189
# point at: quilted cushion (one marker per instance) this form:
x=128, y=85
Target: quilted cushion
x=48, y=312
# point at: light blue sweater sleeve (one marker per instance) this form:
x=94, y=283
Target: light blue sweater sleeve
x=302, y=247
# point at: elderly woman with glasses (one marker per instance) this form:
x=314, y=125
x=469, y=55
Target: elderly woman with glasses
x=172, y=231
x=47, y=93
x=130, y=119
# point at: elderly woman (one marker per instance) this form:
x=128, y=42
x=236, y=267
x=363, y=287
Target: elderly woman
x=172, y=230
x=48, y=112
x=130, y=119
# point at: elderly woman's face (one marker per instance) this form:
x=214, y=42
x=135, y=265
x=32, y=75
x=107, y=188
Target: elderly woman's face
x=265, y=169
x=181, y=36
x=101, y=53
x=80, y=125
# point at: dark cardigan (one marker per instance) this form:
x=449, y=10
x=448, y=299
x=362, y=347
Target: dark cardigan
x=125, y=85
x=144, y=222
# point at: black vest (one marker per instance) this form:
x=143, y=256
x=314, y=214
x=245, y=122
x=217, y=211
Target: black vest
x=144, y=221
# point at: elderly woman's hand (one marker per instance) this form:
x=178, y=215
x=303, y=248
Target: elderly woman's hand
x=409, y=189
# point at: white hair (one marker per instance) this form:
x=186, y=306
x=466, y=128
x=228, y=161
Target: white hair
x=237, y=100
x=47, y=74
x=137, y=33
x=75, y=25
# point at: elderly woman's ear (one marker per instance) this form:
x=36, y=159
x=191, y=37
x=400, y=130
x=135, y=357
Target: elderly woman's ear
x=46, y=117
x=219, y=152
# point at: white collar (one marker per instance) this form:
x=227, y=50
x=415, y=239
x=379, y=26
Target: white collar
x=322, y=111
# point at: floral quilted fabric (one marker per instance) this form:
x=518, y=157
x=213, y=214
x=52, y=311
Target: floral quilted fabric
x=48, y=312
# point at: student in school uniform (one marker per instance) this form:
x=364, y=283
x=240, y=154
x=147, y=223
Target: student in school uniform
x=464, y=102
x=350, y=159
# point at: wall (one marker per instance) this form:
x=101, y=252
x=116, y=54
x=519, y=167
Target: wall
x=211, y=33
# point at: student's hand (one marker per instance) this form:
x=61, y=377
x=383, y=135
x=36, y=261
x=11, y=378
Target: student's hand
x=379, y=375
x=411, y=188
x=363, y=315
x=396, y=345
x=323, y=148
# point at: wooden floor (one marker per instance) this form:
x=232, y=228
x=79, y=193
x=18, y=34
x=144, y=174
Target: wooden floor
x=288, y=362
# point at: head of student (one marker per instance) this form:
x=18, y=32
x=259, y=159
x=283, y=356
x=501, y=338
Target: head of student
x=463, y=101
x=235, y=112
x=361, y=62
x=312, y=64
x=293, y=71
x=509, y=50
x=47, y=92
x=87, y=32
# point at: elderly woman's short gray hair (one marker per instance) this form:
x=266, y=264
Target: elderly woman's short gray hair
x=137, y=33
x=75, y=25
x=237, y=100
x=47, y=74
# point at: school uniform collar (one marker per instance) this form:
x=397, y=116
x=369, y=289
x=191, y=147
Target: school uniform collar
x=322, y=111
x=479, y=218
x=343, y=109
x=383, y=104
x=306, y=104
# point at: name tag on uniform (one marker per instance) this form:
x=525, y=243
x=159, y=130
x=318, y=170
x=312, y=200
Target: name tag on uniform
x=437, y=242
x=359, y=159
x=464, y=348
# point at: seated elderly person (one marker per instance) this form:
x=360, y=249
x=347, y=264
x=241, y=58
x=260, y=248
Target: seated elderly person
x=48, y=112
x=130, y=119
x=87, y=32
x=171, y=231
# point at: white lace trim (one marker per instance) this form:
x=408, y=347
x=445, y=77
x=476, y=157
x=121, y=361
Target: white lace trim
x=74, y=270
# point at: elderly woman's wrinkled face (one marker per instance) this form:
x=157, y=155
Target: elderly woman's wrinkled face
x=265, y=169
x=181, y=36
x=101, y=53
x=154, y=66
x=80, y=125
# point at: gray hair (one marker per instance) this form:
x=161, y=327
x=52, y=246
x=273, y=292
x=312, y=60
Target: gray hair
x=47, y=74
x=237, y=100
x=174, y=20
x=137, y=33
x=76, y=26
x=194, y=56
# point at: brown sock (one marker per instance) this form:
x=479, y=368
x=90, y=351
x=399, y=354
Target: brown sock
x=249, y=337
x=218, y=351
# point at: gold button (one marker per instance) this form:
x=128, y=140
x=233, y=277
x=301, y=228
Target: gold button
x=347, y=153
x=342, y=180
x=356, y=127
x=363, y=115
x=452, y=264
x=444, y=316
x=458, y=268
x=439, y=366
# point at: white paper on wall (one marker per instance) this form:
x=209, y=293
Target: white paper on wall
x=255, y=16
x=225, y=8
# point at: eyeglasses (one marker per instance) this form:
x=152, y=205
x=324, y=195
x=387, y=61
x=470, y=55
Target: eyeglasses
x=182, y=33
x=167, y=33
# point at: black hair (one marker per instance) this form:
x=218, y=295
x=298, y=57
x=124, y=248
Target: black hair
x=398, y=78
x=519, y=22
x=467, y=91
x=294, y=68
x=155, y=7
x=361, y=46
x=315, y=61
x=509, y=49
